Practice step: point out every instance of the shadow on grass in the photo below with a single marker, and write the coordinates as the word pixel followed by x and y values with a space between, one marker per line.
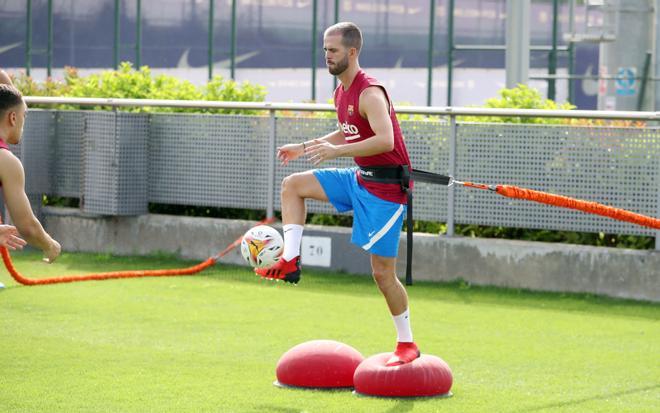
pixel 356 285
pixel 279 409
pixel 458 292
pixel 402 406
pixel 81 263
pixel 571 403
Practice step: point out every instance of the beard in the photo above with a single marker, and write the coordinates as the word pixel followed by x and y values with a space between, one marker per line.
pixel 339 67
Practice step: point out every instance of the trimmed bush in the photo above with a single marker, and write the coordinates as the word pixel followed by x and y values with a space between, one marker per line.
pixel 129 83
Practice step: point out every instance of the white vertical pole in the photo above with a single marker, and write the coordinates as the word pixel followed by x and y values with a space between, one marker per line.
pixel 657 54
pixel 452 172
pixel 517 42
pixel 272 146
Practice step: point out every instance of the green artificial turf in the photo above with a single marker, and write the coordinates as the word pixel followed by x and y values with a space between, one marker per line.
pixel 211 342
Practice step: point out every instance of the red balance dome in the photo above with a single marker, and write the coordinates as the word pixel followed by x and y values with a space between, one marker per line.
pixel 426 376
pixel 318 364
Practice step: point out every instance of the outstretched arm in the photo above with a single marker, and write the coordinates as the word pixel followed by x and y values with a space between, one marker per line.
pixel 294 151
pixel 18 205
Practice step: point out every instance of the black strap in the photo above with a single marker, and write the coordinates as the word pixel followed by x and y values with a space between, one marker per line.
pixel 383 174
pixel 405 185
pixel 430 177
pixel 401 174
pixel 394 175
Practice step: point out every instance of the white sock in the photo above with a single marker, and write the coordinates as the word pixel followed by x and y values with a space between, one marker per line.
pixel 402 323
pixel 292 240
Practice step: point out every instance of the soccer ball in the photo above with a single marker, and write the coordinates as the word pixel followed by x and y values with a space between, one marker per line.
pixel 262 246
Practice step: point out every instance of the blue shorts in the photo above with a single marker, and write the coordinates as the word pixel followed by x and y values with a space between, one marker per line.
pixel 376 222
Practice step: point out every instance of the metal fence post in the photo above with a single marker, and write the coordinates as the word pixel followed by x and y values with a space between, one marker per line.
pixel 210 40
pixel 232 48
pixel 49 49
pixel 571 52
pixel 115 51
pixel 272 146
pixel 645 78
pixel 657 209
pixel 452 170
pixel 450 50
pixel 552 58
pixel 28 38
pixel 336 20
pixel 314 48
pixel 429 82
pixel 138 34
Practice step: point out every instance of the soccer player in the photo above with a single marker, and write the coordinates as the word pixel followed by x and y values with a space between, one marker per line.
pixel 369 133
pixel 13 111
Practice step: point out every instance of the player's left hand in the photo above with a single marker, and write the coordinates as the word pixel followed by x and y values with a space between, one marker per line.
pixel 10 238
pixel 321 151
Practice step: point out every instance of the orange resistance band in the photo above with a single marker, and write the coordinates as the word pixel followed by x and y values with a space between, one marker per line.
pixel 119 274
pixel 584 206
pixel 566 202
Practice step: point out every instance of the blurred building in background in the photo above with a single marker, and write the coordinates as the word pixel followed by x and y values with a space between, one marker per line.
pixel 409 44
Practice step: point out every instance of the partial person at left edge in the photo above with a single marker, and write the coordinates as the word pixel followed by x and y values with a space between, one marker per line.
pixel 13 112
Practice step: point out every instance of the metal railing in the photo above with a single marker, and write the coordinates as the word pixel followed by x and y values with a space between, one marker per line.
pixel 451 114
pixel 316 107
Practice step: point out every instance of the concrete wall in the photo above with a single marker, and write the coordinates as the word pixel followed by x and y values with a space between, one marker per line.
pixel 516 264
pixel 538 266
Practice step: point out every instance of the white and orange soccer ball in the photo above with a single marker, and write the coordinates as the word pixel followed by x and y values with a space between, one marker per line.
pixel 262 246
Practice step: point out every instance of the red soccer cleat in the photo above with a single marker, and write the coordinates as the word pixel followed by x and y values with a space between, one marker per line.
pixel 404 353
pixel 288 271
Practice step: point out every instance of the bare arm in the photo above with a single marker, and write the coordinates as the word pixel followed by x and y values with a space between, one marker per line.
pixel 375 108
pixel 294 151
pixel 4 78
pixel 18 205
pixel 336 138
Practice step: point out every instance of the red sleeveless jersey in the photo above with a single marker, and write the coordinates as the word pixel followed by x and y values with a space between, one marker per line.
pixel 356 128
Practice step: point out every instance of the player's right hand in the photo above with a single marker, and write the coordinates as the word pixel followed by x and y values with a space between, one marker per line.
pixel 290 152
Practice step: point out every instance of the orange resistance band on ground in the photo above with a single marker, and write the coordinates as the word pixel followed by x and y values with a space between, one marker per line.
pixel 566 202
pixel 119 274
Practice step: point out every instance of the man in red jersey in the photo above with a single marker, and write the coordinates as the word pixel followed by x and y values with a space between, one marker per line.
pixel 369 133
pixel 8 233
pixel 13 112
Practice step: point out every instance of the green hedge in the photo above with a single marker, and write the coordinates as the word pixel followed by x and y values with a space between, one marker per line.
pixel 129 83
pixel 521 97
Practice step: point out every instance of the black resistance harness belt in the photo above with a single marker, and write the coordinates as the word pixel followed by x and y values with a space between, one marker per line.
pixel 402 175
